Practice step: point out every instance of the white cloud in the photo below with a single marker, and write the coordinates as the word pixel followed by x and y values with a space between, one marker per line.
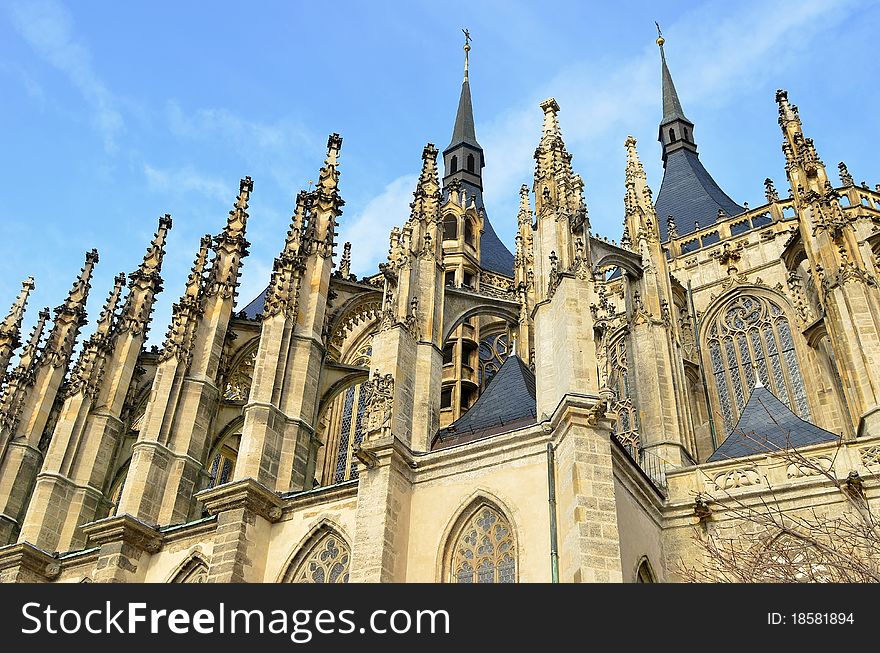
pixel 185 180
pixel 49 30
pixel 368 230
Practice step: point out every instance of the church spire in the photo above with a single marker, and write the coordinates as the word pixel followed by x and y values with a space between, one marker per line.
pixel 688 193
pixel 463 157
pixel 10 328
pixel 676 131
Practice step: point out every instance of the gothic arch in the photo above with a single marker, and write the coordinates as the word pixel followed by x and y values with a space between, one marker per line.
pixel 238 377
pixel 467 511
pixel 644 572
pixel 194 569
pixel 616 260
pixel 489 307
pixel 746 326
pixel 356 317
pixel 317 537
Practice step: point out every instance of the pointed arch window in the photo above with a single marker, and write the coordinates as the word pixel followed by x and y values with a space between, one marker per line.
pixel 469 232
pixel 194 571
pixel 483 549
pixel 344 422
pixel 240 378
pixel 453 165
pixel 671 134
pixel 644 573
pixel 627 426
pixel 327 560
pixel 470 162
pixel 751 330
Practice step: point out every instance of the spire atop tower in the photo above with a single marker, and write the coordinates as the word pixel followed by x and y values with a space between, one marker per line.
pixel 463 132
pixel 688 190
pixel 671 104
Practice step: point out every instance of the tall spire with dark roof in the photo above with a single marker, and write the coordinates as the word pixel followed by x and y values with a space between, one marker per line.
pixel 463 161
pixel 688 193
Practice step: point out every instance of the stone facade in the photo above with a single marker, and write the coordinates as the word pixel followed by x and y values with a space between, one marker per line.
pixel 298 439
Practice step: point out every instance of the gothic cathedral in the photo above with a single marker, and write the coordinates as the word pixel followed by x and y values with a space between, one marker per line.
pixel 580 409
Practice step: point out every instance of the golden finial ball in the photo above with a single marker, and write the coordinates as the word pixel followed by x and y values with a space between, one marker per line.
pixel 660 41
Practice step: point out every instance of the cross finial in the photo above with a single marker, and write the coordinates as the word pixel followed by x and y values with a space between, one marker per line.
pixel 467 48
pixel 660 39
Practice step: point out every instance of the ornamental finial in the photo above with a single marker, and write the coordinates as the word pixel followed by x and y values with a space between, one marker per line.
pixel 467 48
pixel 660 39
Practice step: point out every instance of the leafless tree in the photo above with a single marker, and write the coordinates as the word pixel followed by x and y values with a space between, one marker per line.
pixel 764 542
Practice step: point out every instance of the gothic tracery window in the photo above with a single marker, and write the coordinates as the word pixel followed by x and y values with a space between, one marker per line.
pixel 239 379
pixel 494 351
pixel 484 549
pixel 327 561
pixel 753 330
pixel 345 423
pixel 627 427
pixel 195 571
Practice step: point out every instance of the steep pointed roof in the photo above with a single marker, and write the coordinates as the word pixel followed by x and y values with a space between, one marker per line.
pixel 463 131
pixel 671 104
pixel 507 403
pixel 688 192
pixel 766 424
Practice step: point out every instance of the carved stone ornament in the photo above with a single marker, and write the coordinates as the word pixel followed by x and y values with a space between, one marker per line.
pixel 379 405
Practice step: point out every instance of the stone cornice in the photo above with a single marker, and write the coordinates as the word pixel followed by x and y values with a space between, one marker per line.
pixel 26 556
pixel 125 529
pixel 246 493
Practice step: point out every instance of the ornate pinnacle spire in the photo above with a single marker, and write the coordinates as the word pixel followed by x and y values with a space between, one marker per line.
pixel 89 366
pixel 230 246
pixel 178 339
pixel 426 197
pixel 23 375
pixel 194 281
pixel 551 123
pixel 328 178
pixel 29 353
pixel 11 326
pixel 70 317
pixel 105 320
pixel 525 209
pixel 787 112
pixel 634 166
pixel 145 283
pixel 345 263
pixel 845 178
pixel 770 191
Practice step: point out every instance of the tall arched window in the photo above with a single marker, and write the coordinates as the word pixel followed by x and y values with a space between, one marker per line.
pixel 450 227
pixel 469 232
pixel 325 560
pixel 747 330
pixel 627 426
pixel 350 425
pixel 671 134
pixel 470 162
pixel 644 573
pixel 484 550
pixel 453 165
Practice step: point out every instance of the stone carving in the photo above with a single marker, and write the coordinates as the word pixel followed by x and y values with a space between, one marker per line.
pixel 378 405
pixel 813 466
pixel 737 477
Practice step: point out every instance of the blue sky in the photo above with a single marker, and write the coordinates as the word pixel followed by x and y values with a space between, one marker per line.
pixel 116 113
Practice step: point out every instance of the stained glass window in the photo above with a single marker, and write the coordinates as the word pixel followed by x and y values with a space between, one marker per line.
pixel 327 561
pixel 627 427
pixel 753 330
pixel 222 466
pixel 347 423
pixel 484 551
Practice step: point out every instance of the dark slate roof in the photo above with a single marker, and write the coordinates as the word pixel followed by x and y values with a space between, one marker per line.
pixel 494 255
pixel 256 305
pixel 690 195
pixel 766 424
pixel 463 131
pixel 508 402
pixel 671 105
